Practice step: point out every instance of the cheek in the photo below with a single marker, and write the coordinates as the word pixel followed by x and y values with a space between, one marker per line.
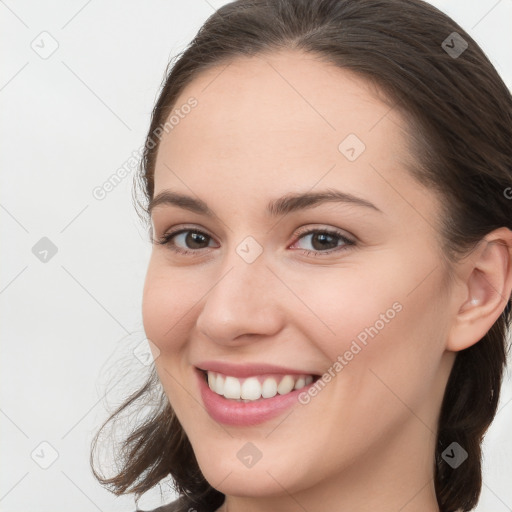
pixel 336 307
pixel 384 318
pixel 167 299
pixel 397 368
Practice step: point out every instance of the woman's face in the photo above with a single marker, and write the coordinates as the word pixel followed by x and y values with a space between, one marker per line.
pixel 351 286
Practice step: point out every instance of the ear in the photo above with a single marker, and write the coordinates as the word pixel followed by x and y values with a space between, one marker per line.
pixel 486 280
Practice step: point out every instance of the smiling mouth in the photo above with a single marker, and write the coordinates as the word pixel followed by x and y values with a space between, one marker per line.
pixel 257 387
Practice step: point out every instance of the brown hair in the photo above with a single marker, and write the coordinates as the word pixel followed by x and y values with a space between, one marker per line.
pixel 463 113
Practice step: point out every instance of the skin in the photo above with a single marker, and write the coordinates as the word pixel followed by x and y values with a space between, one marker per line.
pixel 265 127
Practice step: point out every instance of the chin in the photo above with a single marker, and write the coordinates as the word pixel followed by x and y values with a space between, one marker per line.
pixel 225 470
pixel 231 479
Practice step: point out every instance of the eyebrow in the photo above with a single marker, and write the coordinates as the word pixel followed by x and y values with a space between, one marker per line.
pixel 275 208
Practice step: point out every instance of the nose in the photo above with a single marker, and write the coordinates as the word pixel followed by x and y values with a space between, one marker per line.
pixel 242 305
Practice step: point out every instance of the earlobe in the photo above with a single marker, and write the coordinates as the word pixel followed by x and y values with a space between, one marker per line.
pixel 487 289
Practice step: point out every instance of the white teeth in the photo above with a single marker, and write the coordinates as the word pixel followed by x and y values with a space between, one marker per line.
pixel 219 384
pixel 232 388
pixel 211 380
pixel 250 389
pixel 269 388
pixel 301 382
pixel 286 385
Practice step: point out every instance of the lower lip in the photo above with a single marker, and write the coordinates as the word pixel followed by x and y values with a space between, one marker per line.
pixel 243 414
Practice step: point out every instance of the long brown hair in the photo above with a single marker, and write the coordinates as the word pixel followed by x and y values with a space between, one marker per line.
pixel 460 113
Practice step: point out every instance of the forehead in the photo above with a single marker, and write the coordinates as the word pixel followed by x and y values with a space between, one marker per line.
pixel 280 123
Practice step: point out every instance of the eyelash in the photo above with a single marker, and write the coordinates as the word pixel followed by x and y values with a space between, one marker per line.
pixel 167 237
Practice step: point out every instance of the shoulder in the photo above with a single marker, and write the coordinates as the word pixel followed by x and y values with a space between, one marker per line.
pixel 184 504
pixel 176 506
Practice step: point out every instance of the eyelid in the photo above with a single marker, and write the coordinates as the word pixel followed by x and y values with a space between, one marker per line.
pixel 186 227
pixel 311 228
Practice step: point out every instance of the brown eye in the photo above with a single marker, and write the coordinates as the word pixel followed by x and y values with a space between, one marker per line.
pixel 324 241
pixel 186 241
pixel 194 239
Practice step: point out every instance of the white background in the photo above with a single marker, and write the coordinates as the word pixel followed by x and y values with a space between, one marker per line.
pixel 69 122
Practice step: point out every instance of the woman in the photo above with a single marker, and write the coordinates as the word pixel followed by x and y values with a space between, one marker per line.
pixel 327 187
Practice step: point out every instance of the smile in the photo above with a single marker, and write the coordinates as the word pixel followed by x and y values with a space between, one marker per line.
pixel 256 387
pixel 251 399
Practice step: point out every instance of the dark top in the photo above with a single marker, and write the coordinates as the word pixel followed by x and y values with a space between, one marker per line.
pixel 175 506
pixel 179 505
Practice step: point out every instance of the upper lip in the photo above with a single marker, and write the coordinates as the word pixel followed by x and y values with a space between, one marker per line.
pixel 248 370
